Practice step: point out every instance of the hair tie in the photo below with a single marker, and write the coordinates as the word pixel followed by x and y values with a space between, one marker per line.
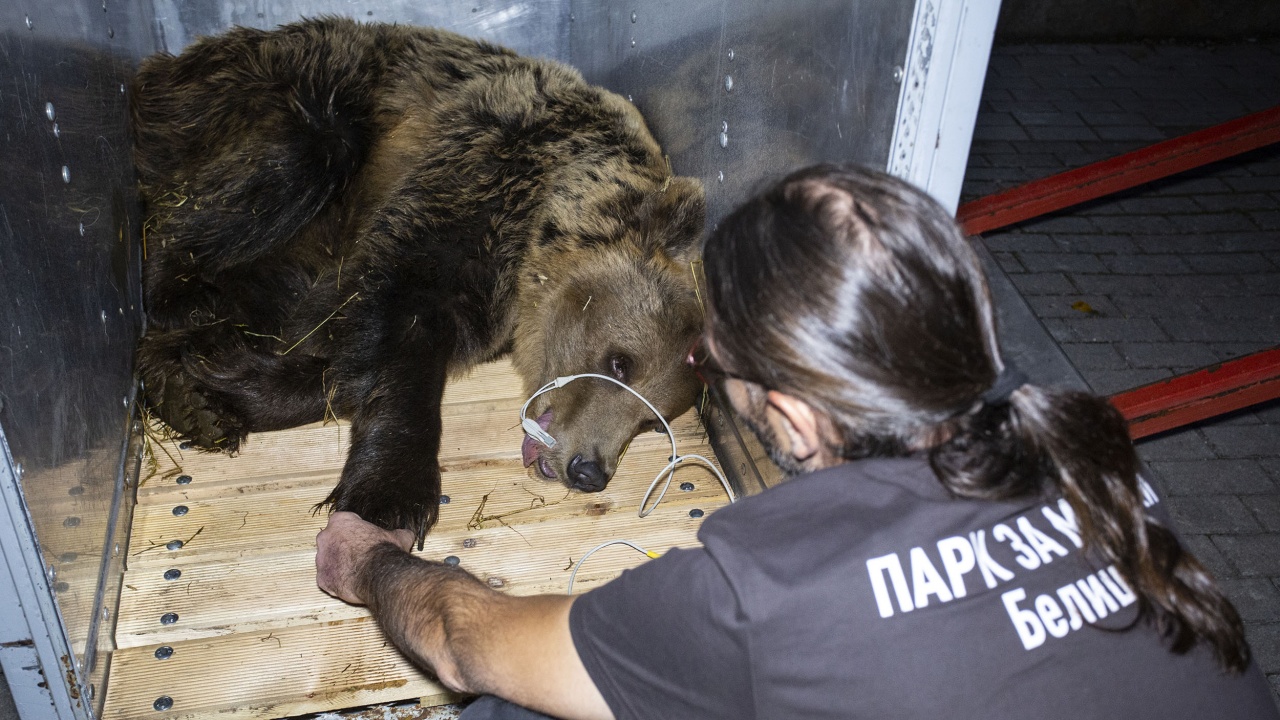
pixel 1009 379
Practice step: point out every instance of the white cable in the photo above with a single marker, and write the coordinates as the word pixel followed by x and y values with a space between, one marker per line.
pixel 532 428
pixel 670 470
pixel 601 546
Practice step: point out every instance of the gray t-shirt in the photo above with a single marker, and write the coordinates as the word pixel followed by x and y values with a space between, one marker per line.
pixel 865 590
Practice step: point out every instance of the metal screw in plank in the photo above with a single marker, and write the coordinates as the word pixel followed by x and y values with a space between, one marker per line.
pixel 164 652
pixel 184 479
pixel 181 510
pixel 162 703
pixel 696 513
pixel 169 618
pixel 173 545
pixel 452 560
pixel 686 486
pixel 172 574
pixel 444 499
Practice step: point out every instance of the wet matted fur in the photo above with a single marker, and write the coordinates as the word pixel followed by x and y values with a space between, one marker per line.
pixel 340 215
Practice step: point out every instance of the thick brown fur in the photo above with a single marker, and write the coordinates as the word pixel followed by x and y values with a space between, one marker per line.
pixel 341 215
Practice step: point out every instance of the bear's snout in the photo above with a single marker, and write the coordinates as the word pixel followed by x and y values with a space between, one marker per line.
pixel 586 475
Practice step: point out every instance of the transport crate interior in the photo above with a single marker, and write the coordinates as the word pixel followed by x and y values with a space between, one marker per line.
pixel 154 581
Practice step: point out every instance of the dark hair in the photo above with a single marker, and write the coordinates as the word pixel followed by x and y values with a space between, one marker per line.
pixel 859 294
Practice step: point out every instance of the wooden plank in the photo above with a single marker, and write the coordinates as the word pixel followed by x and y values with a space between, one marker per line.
pixel 267 674
pixel 1106 177
pixel 255 638
pixel 1201 394
pixel 224 592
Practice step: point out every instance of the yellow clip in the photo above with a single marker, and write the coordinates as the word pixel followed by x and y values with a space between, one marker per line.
pixel 653 554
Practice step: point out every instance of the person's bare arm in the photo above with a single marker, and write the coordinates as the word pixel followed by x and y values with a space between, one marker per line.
pixel 476 640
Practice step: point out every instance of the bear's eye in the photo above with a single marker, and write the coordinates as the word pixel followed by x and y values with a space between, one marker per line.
pixel 620 367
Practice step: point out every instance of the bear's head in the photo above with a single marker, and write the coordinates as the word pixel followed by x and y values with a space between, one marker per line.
pixel 610 288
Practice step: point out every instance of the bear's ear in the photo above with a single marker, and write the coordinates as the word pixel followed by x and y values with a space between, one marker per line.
pixel 682 214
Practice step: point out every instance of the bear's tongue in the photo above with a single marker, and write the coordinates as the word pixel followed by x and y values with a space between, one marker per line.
pixel 529 448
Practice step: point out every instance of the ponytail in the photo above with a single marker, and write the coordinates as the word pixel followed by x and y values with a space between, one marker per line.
pixel 1081 442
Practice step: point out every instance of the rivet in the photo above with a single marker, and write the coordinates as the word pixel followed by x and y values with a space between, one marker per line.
pixel 444 499
pixel 172 574
pixel 633 42
pixel 106 613
pixel 52 572
pixel 91 691
pixel 452 560
pixel 730 53
pixel 57 131
pixel 164 652
pixel 724 126
pixel 29 27
pixel 173 545
pixel 121 88
pixel 111 32
pixel 168 618
pixel 77 490
pixel 469 543
pixel 181 510
pixel 633 16
pixel 724 139
pixel 897 73
pixel 48 110
pixel 17 470
pixel 81 229
pixel 695 513
pixel 115 551
pixel 103 314
pixel 629 99
pixel 728 83
pixel 124 401
pixel 66 174
pixel 71 522
pixel 184 480
pixel 495 582
pixel 572 17
pixel 164 702
pixel 686 486
pixel 186 445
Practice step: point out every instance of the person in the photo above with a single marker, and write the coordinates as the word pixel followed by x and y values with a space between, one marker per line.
pixel 952 542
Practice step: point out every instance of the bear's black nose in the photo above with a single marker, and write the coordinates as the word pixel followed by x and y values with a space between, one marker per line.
pixel 586 475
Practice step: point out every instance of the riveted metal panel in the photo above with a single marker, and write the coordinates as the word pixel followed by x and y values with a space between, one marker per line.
pixel 742 90
pixel 532 27
pixel 69 318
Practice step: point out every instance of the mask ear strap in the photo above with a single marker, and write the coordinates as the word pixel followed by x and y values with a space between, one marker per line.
pixel 531 426
pixel 536 432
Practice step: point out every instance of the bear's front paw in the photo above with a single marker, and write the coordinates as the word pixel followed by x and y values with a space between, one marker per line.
pixel 410 502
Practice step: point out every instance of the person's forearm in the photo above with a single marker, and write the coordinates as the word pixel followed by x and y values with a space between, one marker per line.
pixel 432 612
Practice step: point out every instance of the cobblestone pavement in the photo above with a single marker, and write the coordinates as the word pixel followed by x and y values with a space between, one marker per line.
pixel 1173 276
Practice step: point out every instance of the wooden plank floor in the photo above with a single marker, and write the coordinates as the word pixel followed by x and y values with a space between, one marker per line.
pixel 255 638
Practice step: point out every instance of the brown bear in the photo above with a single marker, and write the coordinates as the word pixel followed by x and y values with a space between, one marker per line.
pixel 341 215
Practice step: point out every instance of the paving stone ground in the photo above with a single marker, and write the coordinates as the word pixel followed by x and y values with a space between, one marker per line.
pixel 1161 279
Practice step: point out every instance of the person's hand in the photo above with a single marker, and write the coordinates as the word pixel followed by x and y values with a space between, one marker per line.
pixel 342 549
